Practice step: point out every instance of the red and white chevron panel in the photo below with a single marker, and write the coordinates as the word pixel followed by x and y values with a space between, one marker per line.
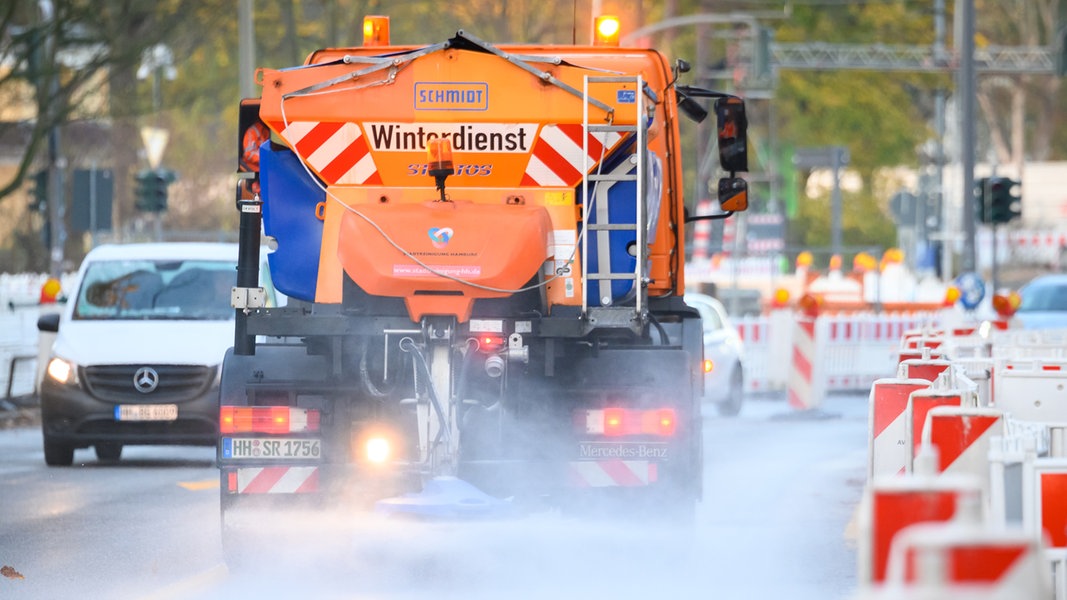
pixel 337 152
pixel 967 560
pixel 612 473
pixel 889 454
pixel 277 480
pixel 962 436
pixel 927 369
pixel 920 403
pixel 556 160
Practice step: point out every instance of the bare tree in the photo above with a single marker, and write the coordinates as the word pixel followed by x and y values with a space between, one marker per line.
pixel 1005 100
pixel 64 50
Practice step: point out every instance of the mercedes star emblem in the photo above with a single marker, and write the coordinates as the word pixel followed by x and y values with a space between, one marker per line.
pixel 145 380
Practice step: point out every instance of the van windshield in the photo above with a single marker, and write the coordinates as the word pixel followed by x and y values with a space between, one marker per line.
pixel 157 289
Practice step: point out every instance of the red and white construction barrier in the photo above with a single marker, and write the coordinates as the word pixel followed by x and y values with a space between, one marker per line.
pixel 856 347
pixel 920 403
pixel 851 351
pixel 759 347
pixel 1002 447
pixel 806 384
pixel 888 417
pixel 896 502
pixel 1045 503
pixel 962 558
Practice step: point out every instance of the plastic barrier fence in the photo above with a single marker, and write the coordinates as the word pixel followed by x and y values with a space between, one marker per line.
pixel 996 418
pixel 20 295
pixel 850 351
pixel 18 349
pixel 1032 390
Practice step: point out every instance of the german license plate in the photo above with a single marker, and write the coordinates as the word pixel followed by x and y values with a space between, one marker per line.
pixel 270 448
pixel 146 412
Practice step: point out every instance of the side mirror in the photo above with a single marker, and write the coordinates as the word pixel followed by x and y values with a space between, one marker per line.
pixel 691 108
pixel 48 323
pixel 733 134
pixel 733 194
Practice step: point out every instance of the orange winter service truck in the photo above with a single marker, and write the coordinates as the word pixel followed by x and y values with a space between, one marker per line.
pixel 482 248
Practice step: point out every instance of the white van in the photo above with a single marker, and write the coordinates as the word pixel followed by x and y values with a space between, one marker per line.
pixel 138 348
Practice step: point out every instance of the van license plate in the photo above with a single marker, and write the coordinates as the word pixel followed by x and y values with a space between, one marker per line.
pixel 146 412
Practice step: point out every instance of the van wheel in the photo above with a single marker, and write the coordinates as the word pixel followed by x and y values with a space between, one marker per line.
pixel 108 451
pixel 732 405
pixel 58 455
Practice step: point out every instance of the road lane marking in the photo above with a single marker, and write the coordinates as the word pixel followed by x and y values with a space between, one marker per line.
pixel 192 586
pixel 196 486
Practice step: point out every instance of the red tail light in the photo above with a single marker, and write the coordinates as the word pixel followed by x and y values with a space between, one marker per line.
pixel 267 419
pixel 615 422
pixel 664 422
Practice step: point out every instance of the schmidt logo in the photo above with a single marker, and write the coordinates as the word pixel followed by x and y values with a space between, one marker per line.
pixel 439 236
pixel 452 95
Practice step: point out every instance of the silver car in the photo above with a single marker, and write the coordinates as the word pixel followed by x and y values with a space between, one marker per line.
pixel 724 383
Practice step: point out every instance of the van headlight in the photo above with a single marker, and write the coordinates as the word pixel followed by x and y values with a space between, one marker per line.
pixel 62 371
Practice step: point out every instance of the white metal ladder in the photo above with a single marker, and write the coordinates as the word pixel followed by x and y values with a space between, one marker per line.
pixel 601 272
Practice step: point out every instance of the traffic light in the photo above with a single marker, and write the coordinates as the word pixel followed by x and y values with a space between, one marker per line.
pixel 144 190
pixel 40 204
pixel 151 189
pixel 1004 204
pixel 981 200
pixel 40 192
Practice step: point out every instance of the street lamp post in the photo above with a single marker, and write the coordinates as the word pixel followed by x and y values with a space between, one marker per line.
pixel 56 163
pixel 157 63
